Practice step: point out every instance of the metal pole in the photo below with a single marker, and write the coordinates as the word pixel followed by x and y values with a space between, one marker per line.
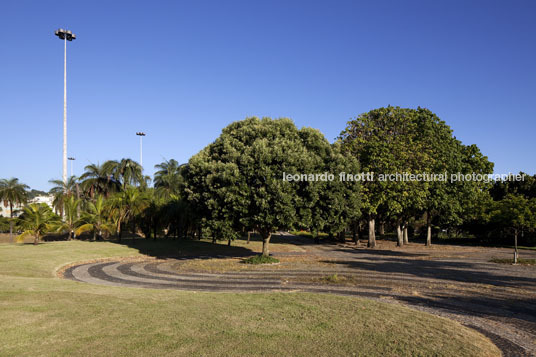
pixel 65 111
pixel 141 152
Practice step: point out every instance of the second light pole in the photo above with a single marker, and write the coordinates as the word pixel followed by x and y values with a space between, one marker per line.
pixel 141 135
pixel 71 159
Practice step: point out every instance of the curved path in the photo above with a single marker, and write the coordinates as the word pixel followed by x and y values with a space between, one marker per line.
pixel 497 300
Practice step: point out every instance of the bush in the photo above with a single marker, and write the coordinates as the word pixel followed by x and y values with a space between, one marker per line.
pixel 260 259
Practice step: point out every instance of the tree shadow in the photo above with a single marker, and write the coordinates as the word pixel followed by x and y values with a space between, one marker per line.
pixel 443 270
pixel 513 308
pixel 184 248
pixel 381 252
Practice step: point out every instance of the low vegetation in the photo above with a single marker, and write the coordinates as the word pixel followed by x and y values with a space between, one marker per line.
pixel 261 259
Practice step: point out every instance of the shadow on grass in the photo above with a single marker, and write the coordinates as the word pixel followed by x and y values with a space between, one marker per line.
pixel 182 248
pixel 444 270
pixel 520 311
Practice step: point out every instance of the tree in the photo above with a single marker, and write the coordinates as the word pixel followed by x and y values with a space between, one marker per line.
pixel 394 140
pixel 35 220
pixel 329 206
pixel 384 142
pixel 98 180
pixel 237 181
pixel 515 212
pixel 126 171
pixel 70 218
pixel 12 192
pixel 168 178
pixel 95 219
pixel 62 191
pixel 125 205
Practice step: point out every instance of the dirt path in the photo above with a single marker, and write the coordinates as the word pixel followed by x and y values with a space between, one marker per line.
pixel 456 282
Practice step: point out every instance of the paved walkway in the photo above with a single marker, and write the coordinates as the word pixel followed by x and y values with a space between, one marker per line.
pixel 456 282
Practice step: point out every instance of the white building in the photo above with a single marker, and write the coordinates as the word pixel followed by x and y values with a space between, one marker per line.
pixel 17 209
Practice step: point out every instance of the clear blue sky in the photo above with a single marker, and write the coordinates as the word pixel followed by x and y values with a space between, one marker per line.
pixel 183 70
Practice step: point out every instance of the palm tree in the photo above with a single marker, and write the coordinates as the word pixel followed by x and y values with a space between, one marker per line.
pixel 96 219
pixel 62 191
pixel 127 171
pixel 126 204
pixel 70 221
pixel 36 219
pixel 167 178
pixel 98 180
pixel 12 192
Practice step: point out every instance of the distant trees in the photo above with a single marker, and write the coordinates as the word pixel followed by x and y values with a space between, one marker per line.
pixel 516 213
pixel 12 192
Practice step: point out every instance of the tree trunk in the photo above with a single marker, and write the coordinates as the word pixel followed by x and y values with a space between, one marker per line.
pixel 199 232
pixel 406 238
pixel 355 233
pixel 371 234
pixel 249 236
pixel 119 232
pixel 316 239
pixel 11 223
pixel 70 234
pixel 229 242
pixel 399 236
pixel 428 229
pixel 381 229
pixel 342 237
pixel 515 246
pixel 265 243
pixel 36 239
pixel 11 239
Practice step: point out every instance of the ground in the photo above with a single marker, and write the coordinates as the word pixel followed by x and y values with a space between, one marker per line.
pixel 113 316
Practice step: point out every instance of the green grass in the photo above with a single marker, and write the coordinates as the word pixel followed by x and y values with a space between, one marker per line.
pixel 520 261
pixel 42 315
pixel 260 259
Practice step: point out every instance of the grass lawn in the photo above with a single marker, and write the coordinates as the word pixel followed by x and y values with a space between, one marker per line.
pixel 41 314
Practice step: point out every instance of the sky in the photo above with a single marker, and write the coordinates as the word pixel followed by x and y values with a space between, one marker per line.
pixel 181 71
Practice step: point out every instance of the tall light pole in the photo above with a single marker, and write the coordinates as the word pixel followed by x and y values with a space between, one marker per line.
pixel 71 159
pixel 141 135
pixel 65 35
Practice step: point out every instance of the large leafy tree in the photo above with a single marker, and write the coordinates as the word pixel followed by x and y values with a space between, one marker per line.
pixel 414 141
pixel 13 192
pixel 383 140
pixel 36 219
pixel 237 181
pixel 329 206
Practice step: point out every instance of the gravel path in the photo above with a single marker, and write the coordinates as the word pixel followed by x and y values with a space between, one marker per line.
pixel 455 282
